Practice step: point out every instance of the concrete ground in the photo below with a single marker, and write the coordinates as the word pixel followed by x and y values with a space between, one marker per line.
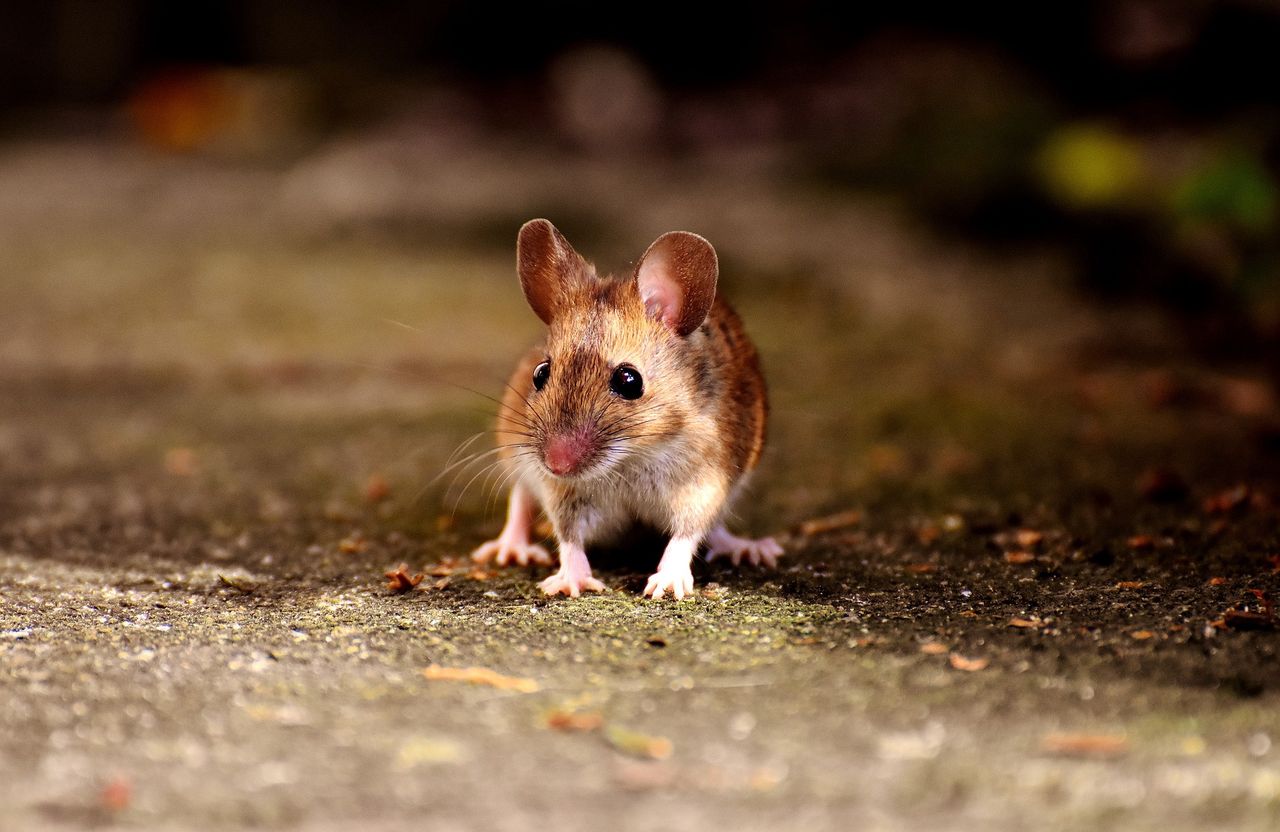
pixel 1031 543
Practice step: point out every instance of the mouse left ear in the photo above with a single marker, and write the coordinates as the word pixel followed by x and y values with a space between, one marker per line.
pixel 677 280
pixel 546 264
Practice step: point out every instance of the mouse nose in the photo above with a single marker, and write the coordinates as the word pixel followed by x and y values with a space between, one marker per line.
pixel 566 452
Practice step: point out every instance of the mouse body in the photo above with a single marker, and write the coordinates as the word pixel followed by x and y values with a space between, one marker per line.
pixel 645 403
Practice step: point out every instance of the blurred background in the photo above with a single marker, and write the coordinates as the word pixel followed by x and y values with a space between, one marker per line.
pixel 1138 139
pixel 1078 194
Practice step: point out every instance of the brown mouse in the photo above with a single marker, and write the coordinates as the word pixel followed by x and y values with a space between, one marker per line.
pixel 646 403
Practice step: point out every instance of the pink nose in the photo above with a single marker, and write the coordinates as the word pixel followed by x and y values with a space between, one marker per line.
pixel 566 452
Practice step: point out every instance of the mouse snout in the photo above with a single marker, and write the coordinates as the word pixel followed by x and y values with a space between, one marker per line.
pixel 565 453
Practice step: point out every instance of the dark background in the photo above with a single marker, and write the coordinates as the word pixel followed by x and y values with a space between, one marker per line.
pixel 983 120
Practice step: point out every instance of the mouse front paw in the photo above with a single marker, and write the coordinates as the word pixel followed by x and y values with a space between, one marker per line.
pixel 504 551
pixel 679 581
pixel 721 543
pixel 570 583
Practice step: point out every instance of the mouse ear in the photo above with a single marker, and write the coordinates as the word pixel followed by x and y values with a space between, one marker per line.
pixel 677 280
pixel 545 262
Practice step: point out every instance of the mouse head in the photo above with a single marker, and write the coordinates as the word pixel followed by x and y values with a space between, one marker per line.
pixel 619 376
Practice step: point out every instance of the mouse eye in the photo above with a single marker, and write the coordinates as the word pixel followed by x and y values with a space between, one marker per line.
pixel 626 382
pixel 541 373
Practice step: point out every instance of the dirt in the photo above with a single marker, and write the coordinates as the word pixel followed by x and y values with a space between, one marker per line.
pixel 222 418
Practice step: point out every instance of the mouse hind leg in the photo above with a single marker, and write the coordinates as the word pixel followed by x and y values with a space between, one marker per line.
pixel 723 543
pixel 514 544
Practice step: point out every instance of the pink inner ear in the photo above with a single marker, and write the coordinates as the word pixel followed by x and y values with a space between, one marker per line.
pixel 660 292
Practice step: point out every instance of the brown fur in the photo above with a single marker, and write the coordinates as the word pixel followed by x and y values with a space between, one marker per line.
pixel 715 370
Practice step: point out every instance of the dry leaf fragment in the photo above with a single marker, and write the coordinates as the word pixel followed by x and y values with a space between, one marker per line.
pixel 1086 745
pixel 1028 538
pixel 637 744
pixel 959 662
pixel 1244 620
pixel 479 574
pixel 480 676
pixel 1142 635
pixel 376 489
pixel 1019 558
pixel 921 568
pixel 1130 584
pixel 1226 502
pixel 239 584
pixel 822 525
pixel 1026 623
pixel 399 580
pixel 574 721
pixel 352 545
pixel 934 648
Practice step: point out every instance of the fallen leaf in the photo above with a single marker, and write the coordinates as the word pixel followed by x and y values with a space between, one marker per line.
pixel 399 580
pixel 822 525
pixel 1234 619
pixel 376 489
pixel 574 720
pixel 1028 538
pixel 934 648
pixel 352 545
pixel 441 583
pixel 637 744
pixel 1019 558
pixel 479 574
pixel 921 568
pixel 970 665
pixel 1142 635
pixel 1086 745
pixel 480 676
pixel 116 795
pixel 1130 584
pixel 239 584
pixel 1027 623
pixel 1226 502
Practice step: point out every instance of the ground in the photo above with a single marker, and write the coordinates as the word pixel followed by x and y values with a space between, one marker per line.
pixel 1030 541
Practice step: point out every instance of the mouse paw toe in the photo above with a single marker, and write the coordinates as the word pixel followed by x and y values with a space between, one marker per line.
pixel 764 551
pixel 679 582
pixel 571 584
pixel 505 552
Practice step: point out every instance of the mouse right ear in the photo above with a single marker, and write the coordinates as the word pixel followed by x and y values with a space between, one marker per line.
pixel 545 262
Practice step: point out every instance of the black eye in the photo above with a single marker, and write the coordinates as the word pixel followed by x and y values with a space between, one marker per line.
pixel 626 382
pixel 541 373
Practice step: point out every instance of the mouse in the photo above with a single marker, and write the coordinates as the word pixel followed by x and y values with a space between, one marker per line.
pixel 645 403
